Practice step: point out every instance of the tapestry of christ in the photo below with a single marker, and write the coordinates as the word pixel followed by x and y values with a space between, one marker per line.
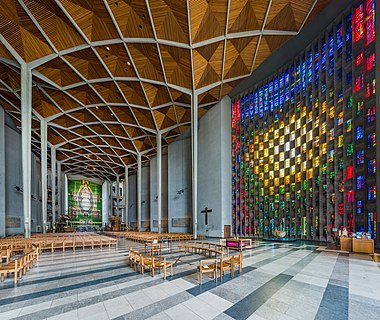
pixel 85 203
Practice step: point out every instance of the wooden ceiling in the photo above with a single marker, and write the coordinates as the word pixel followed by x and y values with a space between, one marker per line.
pixel 109 74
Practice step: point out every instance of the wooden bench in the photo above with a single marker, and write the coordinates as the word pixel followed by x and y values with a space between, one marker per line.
pixel 19 266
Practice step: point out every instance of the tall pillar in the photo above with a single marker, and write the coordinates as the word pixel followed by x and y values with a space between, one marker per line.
pixel 194 161
pixel 159 181
pixel 26 138
pixel 377 21
pixel 65 194
pixel 110 211
pixel 117 195
pixel 44 173
pixel 126 197
pixel 59 187
pixel 2 173
pixel 53 183
pixel 139 192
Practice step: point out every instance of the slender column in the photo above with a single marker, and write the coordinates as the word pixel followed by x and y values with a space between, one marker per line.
pixel 139 192
pixel 117 194
pixel 26 137
pixel 44 173
pixel 159 181
pixel 53 184
pixel 126 196
pixel 194 162
pixel 110 212
pixel 59 187
pixel 65 194
pixel 2 173
pixel 377 4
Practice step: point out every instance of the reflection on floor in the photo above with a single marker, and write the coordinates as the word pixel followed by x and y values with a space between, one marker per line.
pixel 279 281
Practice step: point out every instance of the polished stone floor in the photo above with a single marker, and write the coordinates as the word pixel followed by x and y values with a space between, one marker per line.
pixel 279 281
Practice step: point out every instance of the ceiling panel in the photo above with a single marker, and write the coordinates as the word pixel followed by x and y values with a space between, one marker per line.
pixel 117 72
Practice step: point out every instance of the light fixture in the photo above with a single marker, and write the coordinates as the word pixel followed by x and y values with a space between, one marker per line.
pixel 128 63
pixel 108 48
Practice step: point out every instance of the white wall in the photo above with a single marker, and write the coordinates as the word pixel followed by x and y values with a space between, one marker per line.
pixel 132 200
pixel 164 194
pixel 145 198
pixel 13 177
pixel 179 178
pixel 214 176
pixel 214 169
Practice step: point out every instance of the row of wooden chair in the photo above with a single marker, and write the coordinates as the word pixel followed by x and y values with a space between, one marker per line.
pixel 140 262
pixel 58 242
pixel 150 236
pixel 212 249
pixel 20 265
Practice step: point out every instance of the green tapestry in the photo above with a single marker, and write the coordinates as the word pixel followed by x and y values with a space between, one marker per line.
pixel 85 203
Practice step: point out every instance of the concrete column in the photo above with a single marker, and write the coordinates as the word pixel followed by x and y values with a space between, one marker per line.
pixel 111 202
pixel 117 195
pixel 53 184
pixel 377 4
pixel 26 137
pixel 139 192
pixel 194 161
pixel 159 181
pixel 2 172
pixel 44 173
pixel 65 194
pixel 59 187
pixel 126 196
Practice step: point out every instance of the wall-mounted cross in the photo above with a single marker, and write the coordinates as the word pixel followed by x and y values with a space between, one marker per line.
pixel 206 211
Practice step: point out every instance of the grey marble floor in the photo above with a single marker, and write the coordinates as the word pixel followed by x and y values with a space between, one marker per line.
pixel 279 281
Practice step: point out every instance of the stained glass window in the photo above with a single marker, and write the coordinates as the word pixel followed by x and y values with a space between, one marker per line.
pixel 370 21
pixel 360 182
pixel 371 166
pixel 359 157
pixel 359 133
pixel 372 193
pixel 349 172
pixel 371 140
pixel 358 23
pixel 371 114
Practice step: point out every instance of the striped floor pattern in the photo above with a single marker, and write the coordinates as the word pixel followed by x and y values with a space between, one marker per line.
pixel 279 281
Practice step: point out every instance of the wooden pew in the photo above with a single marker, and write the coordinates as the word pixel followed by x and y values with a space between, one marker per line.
pixel 15 267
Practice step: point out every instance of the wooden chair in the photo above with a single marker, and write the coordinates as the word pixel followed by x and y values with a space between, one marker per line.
pixel 161 263
pixel 137 261
pixel 134 257
pixel 236 262
pixel 224 265
pixel 5 254
pixel 207 266
pixel 147 262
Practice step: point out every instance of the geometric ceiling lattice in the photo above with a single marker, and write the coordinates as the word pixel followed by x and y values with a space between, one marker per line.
pixel 108 75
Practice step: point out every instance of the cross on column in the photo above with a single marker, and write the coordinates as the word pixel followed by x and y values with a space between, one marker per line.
pixel 206 211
